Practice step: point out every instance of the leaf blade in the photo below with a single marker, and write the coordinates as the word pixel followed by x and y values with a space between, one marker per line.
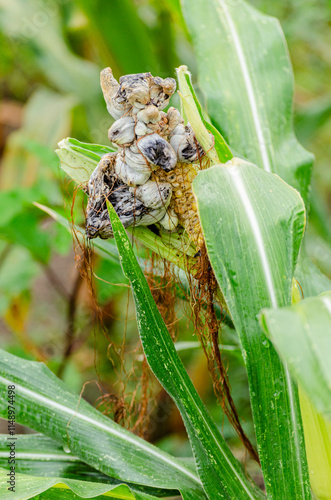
pixel 215 147
pixel 306 349
pixel 207 443
pixel 246 75
pixel 45 404
pixel 37 455
pixel 30 486
pixel 244 216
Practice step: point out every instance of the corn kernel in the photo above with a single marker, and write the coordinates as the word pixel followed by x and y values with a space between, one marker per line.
pixel 183 201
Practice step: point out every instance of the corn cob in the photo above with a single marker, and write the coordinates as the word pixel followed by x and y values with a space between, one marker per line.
pixel 182 202
pixel 155 165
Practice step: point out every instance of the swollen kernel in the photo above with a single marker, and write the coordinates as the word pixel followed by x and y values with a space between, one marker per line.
pixel 181 210
pixel 186 186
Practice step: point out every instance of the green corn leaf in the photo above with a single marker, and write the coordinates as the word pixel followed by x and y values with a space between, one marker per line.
pixel 93 151
pixel 66 494
pixel 79 159
pixel 310 278
pixel 27 487
pixel 317 430
pixel 38 455
pixel 246 75
pixel 253 223
pixel 221 474
pixel 215 147
pixel 45 404
pixel 79 169
pixel 49 488
pixel 166 251
pixel 301 335
pixel 307 350
pixel 188 345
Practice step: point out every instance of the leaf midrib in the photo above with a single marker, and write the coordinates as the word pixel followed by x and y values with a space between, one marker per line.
pixel 155 313
pixel 248 83
pixel 75 414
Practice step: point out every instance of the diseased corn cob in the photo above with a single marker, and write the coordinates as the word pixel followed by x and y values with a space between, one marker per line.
pixel 149 179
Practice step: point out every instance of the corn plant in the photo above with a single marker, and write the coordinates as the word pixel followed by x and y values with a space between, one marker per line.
pixel 249 198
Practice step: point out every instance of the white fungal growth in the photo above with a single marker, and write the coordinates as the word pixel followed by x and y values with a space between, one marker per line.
pixel 150 114
pixel 122 131
pixel 174 120
pixel 110 88
pixel 170 220
pixel 133 157
pixel 150 142
pixel 140 129
pixel 131 176
pixel 154 194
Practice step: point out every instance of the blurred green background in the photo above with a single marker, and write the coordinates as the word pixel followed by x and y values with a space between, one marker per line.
pixel 51 55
